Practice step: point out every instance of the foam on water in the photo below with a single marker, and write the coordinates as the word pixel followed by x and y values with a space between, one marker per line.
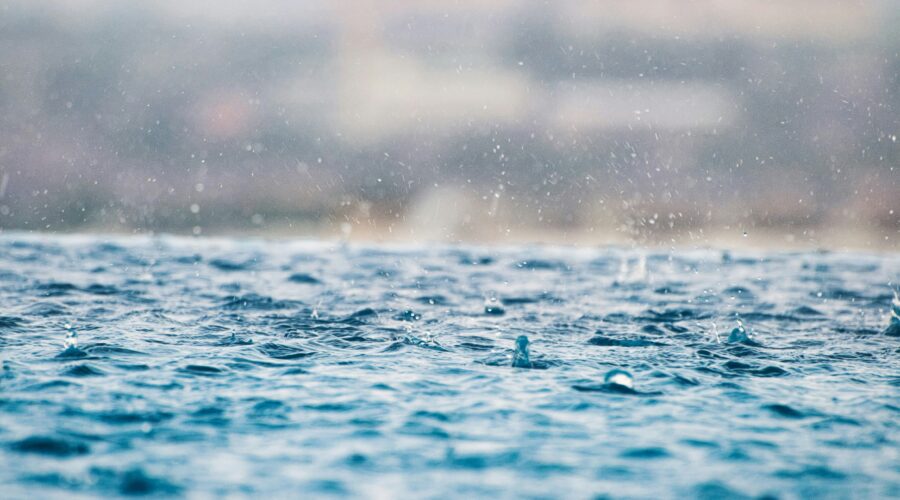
pixel 212 367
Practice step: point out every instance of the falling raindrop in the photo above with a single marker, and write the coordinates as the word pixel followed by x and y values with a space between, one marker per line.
pixel 493 306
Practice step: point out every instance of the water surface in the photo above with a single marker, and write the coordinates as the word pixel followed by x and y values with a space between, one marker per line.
pixel 192 367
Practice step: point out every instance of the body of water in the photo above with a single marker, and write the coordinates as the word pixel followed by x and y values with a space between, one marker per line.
pixel 201 367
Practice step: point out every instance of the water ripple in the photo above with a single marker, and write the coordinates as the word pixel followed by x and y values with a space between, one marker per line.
pixel 205 368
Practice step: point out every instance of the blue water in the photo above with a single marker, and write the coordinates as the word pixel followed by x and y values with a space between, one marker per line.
pixel 198 368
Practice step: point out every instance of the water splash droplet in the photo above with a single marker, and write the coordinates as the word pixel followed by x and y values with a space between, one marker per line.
pixel 521 358
pixel 893 329
pixel 895 308
pixel 633 274
pixel 492 305
pixel 739 334
pixel 71 341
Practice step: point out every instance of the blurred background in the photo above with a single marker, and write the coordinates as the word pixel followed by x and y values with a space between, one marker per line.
pixel 666 122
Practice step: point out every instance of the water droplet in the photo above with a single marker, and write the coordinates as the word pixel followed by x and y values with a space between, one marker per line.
pixel 71 341
pixel 493 306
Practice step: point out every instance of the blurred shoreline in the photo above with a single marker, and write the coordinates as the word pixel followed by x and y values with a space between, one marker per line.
pixel 844 239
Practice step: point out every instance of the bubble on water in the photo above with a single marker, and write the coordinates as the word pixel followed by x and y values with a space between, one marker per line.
pixel 521 358
pixel 619 377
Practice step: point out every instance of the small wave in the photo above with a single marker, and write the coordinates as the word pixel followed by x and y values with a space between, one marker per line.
pixel 42 309
pixel 740 368
pixel 413 341
pixel 607 388
pixel 303 279
pixel 361 316
pixel 104 349
pixel 541 265
pixel 234 340
pixel 133 417
pixel 232 265
pixel 72 352
pixel 651 453
pixel 253 301
pixel 469 260
pixel 812 472
pixel 672 315
pixel 132 482
pixel 10 322
pixel 477 344
pixel 281 351
pixel 808 311
pixel 84 370
pixel 604 341
pixel 55 289
pixel 785 411
pixel 408 315
pixel 98 289
pixel 204 370
pixel 52 446
pixel 51 384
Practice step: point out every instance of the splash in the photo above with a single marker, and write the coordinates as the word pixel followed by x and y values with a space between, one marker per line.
pixel 521 358
pixel 71 341
pixel 70 344
pixel 740 334
pixel 893 329
pixel 629 275
pixel 230 358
